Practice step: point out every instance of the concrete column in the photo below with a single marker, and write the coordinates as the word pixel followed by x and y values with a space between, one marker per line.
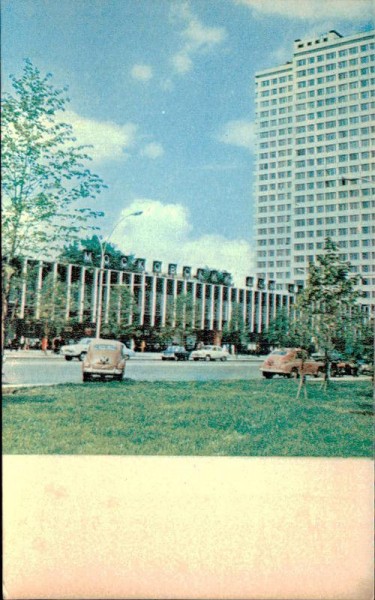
pixel 236 299
pixel 107 295
pixel 143 294
pixel 220 308
pixel 81 300
pixel 267 313
pixel 153 301
pixel 131 288
pixel 174 302
pixel 164 303
pixel 94 295
pixel 193 291
pixel 21 313
pixel 274 305
pixel 68 289
pixel 244 307
pixel 184 291
pixel 203 305
pixel 38 290
pixel 211 313
pixel 119 304
pixel 54 281
pixel 229 305
pixel 258 313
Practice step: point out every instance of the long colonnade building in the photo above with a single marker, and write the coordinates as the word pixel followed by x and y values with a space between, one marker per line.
pixel 153 295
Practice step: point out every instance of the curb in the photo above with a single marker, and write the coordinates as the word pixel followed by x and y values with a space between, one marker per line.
pixel 153 357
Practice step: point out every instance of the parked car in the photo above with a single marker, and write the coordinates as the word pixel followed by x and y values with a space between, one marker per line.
pixel 79 349
pixel 76 350
pixel 339 365
pixel 210 353
pixel 104 359
pixel 365 367
pixel 175 353
pixel 287 363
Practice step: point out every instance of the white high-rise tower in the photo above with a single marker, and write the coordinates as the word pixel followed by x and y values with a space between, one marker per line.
pixel 315 158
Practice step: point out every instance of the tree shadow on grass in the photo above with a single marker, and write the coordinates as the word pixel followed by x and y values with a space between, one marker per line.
pixel 19 399
pixel 366 409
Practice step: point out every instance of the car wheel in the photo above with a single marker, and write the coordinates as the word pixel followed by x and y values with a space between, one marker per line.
pixel 223 358
pixel 319 373
pixel 267 375
pixel 81 357
pixel 86 377
pixel 207 358
pixel 195 359
pixel 68 357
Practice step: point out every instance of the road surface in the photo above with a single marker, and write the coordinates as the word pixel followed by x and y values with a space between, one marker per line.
pixel 57 370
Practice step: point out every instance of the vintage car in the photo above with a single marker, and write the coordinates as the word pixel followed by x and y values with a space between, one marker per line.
pixel 76 350
pixel 365 367
pixel 79 349
pixel 339 365
pixel 287 363
pixel 175 353
pixel 104 359
pixel 210 353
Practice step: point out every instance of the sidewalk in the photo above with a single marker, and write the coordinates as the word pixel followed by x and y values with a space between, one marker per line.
pixel 38 354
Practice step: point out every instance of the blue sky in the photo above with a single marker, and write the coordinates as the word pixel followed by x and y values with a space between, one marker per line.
pixel 164 91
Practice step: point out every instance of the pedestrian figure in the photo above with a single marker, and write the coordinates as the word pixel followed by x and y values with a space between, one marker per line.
pixel 56 345
pixel 15 343
pixel 44 344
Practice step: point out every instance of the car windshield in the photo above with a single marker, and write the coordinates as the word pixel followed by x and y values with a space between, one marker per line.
pixel 278 353
pixel 84 341
pixel 172 349
pixel 208 347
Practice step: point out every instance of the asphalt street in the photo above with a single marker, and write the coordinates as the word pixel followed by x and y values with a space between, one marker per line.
pixel 53 370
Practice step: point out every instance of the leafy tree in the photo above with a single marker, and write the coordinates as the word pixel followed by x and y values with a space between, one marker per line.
pixel 292 331
pixel 329 299
pixel 279 330
pixel 235 331
pixel 181 316
pixel 51 306
pixel 121 306
pixel 44 174
pixel 74 253
pixel 327 314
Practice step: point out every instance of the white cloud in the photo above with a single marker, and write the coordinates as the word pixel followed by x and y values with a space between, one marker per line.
pixel 153 150
pixel 109 140
pixel 141 72
pixel 196 38
pixel 312 9
pixel 238 133
pixel 198 35
pixel 164 233
pixel 182 62
pixel 167 84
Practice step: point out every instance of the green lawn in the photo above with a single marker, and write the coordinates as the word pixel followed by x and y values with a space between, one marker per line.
pixel 237 418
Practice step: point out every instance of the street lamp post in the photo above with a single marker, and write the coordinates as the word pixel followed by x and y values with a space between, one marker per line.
pixel 103 246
